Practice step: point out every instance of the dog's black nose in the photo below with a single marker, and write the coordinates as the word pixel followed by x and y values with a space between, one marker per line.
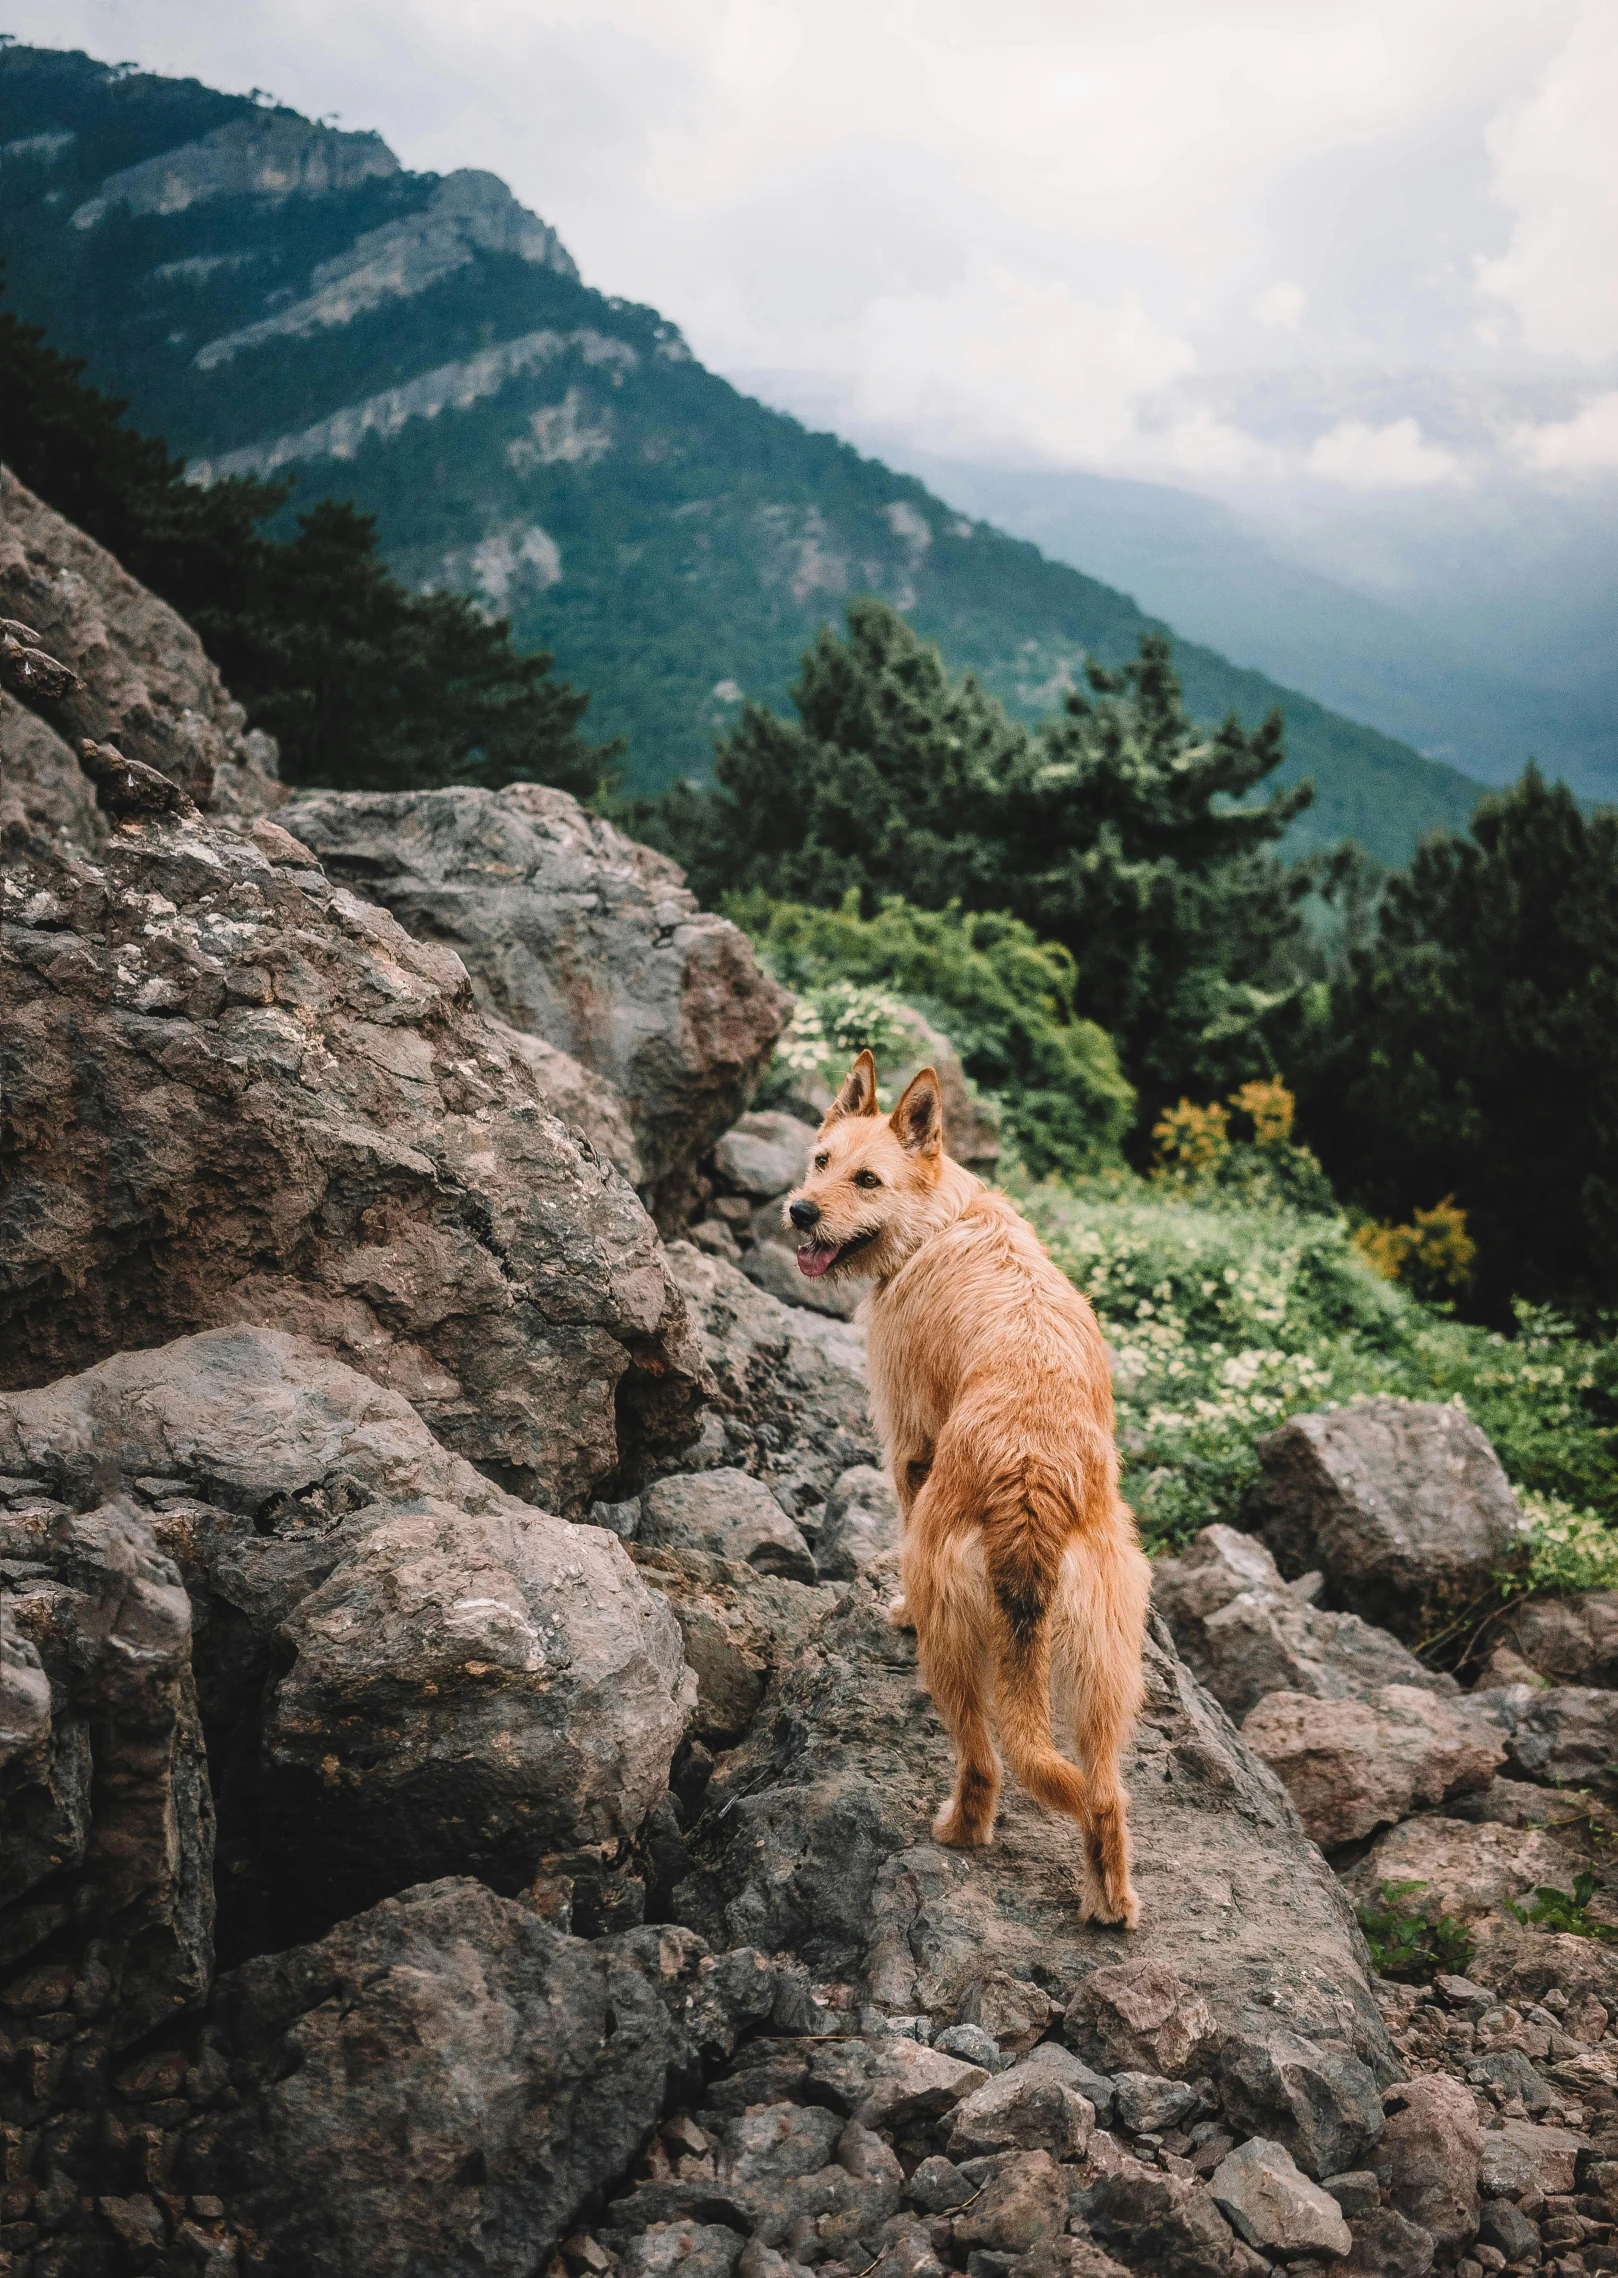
pixel 804 1215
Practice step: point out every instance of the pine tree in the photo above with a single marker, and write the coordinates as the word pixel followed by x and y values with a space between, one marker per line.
pixel 1473 1048
pixel 1113 831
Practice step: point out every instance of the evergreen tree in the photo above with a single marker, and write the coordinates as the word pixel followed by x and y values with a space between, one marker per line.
pixel 365 684
pixel 1472 1048
pixel 1113 831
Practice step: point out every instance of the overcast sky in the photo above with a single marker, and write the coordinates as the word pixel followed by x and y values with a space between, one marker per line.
pixel 1037 228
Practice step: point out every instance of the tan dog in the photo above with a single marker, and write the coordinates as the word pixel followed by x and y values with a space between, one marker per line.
pixel 992 1394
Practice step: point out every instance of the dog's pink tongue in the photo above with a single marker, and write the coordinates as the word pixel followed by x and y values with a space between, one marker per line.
pixel 815 1257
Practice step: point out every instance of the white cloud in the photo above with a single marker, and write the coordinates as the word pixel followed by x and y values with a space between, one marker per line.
pixel 1279 308
pixel 1010 228
pixel 1585 444
pixel 1396 456
pixel 1555 168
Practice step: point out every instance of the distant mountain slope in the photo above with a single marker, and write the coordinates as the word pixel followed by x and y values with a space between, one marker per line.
pixel 274 295
pixel 1216 577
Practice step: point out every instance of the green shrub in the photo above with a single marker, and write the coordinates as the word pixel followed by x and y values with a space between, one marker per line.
pixel 1003 998
pixel 1565 1911
pixel 1226 1318
pixel 1404 1944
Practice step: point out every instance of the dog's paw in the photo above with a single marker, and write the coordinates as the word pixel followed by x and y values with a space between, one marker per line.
pixel 952 1826
pixel 899 1615
pixel 1114 1909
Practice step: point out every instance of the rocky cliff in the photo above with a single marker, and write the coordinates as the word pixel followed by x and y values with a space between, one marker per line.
pixel 464 1808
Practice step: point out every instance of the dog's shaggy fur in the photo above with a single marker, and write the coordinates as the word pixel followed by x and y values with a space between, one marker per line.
pixel 1020 1567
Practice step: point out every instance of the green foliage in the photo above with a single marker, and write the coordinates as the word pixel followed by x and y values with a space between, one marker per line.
pixel 1004 999
pixel 1472 1049
pixel 1564 1549
pixel 1262 1166
pixel 1404 1944
pixel 1226 1318
pixel 1565 1911
pixel 366 685
pixel 1113 832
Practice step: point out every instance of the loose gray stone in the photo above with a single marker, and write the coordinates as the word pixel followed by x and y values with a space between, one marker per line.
pixel 1031 2107
pixel 1146 2103
pixel 973 2046
pixel 1259 2189
pixel 729 1514
pixel 763 1154
pixel 861 1524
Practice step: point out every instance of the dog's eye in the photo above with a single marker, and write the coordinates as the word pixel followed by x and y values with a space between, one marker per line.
pixel 866 1178
pixel 821 1161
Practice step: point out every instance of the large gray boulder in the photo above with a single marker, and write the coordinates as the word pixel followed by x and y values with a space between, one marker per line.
pixel 1557 1735
pixel 571 932
pixel 239 1093
pixel 143 682
pixel 1401 1504
pixel 1572 1639
pixel 1246 1632
pixel 477 1695
pixel 439 2083
pixel 402 1668
pixel 816 1840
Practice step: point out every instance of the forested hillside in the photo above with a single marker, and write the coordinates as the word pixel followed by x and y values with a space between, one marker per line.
pixel 276 297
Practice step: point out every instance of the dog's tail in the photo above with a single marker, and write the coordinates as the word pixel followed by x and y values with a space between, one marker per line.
pixel 1023 1542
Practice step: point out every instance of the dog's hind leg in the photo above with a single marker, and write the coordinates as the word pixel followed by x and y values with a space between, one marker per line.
pixel 1106 1685
pixel 944 1595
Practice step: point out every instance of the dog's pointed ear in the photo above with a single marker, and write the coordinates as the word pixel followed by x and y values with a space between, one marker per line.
pixel 918 1120
pixel 858 1095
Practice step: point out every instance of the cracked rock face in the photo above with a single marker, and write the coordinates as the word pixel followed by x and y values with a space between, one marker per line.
pixel 234 1092
pixel 145 681
pixel 1246 1633
pixel 402 1669
pixel 572 933
pixel 108 1817
pixel 521 2067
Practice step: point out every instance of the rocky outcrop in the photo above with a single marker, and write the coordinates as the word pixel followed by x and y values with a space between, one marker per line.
pixel 522 2067
pixel 1247 1633
pixel 234 1091
pixel 1401 1504
pixel 573 934
pixel 823 1850
pixel 108 1857
pixel 143 681
pixel 789 1403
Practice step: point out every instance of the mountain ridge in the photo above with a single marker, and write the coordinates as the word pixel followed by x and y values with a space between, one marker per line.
pixel 272 293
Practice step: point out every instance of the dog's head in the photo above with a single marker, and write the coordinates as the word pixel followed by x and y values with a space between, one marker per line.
pixel 864 1205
